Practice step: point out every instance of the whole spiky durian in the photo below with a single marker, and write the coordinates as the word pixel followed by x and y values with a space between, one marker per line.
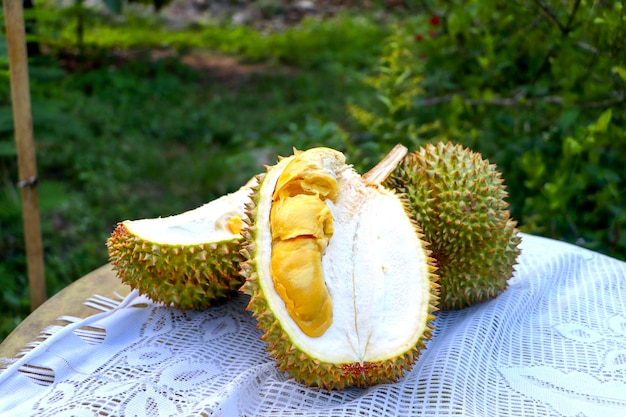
pixel 189 260
pixel 458 199
pixel 340 281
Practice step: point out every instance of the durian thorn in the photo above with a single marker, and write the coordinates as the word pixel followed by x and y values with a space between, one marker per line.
pixel 386 166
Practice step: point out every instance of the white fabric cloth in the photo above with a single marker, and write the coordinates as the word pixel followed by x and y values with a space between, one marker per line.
pixel 553 344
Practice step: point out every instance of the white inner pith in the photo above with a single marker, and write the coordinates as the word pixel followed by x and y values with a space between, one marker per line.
pixel 375 269
pixel 207 223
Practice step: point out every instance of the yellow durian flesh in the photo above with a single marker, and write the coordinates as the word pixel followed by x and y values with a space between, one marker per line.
pixel 301 225
pixel 301 215
pixel 298 278
pixel 234 224
pixel 374 275
pixel 303 176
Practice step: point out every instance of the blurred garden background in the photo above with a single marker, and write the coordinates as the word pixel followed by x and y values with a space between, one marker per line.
pixel 150 109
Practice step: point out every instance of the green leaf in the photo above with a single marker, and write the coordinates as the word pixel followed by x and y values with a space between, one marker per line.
pixel 568 118
pixel 571 147
pixel 621 71
pixel 534 167
pixel 385 100
pixel 602 123
pixel 401 79
pixel 455 23
pixel 483 61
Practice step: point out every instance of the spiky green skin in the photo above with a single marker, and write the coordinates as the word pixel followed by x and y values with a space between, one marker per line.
pixel 300 366
pixel 186 277
pixel 458 199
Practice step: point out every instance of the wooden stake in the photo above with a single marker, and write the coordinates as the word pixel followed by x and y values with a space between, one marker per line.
pixel 26 156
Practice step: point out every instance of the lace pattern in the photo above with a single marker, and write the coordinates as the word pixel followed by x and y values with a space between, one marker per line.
pixel 553 344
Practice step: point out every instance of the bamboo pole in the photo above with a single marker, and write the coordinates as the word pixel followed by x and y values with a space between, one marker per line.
pixel 26 156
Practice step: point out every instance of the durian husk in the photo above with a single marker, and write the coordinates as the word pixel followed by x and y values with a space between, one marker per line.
pixel 458 199
pixel 297 363
pixel 185 275
pixel 314 373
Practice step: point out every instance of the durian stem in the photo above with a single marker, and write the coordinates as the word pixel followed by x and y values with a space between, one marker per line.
pixel 386 166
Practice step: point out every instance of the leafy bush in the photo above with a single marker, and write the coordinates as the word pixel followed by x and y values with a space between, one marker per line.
pixel 395 83
pixel 538 88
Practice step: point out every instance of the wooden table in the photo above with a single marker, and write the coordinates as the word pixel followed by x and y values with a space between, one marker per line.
pixel 67 302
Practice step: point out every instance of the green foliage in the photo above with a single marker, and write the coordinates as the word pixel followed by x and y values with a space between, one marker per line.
pixel 7 145
pixel 586 175
pixel 338 41
pixel 313 132
pixel 13 299
pixel 395 85
pixel 538 88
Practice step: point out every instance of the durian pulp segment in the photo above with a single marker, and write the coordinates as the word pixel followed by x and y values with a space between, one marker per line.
pixel 300 234
pixel 216 221
pixel 379 311
pixel 301 226
pixel 234 223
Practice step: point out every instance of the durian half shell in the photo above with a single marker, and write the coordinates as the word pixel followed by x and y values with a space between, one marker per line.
pixel 356 315
pixel 189 260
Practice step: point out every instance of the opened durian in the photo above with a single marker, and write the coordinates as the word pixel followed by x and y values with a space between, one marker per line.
pixel 190 260
pixel 458 199
pixel 340 281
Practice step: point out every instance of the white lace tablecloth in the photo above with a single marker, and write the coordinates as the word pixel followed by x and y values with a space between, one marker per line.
pixel 553 344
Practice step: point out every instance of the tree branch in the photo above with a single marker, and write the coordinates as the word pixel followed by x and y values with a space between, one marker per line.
pixel 569 26
pixel 570 22
pixel 550 13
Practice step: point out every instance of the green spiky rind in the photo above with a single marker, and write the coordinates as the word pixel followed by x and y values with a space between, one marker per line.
pixel 494 265
pixel 298 364
pixel 186 277
pixel 458 199
pixel 313 372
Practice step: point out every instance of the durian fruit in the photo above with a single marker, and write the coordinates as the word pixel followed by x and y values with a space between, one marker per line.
pixel 340 281
pixel 458 198
pixel 189 260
